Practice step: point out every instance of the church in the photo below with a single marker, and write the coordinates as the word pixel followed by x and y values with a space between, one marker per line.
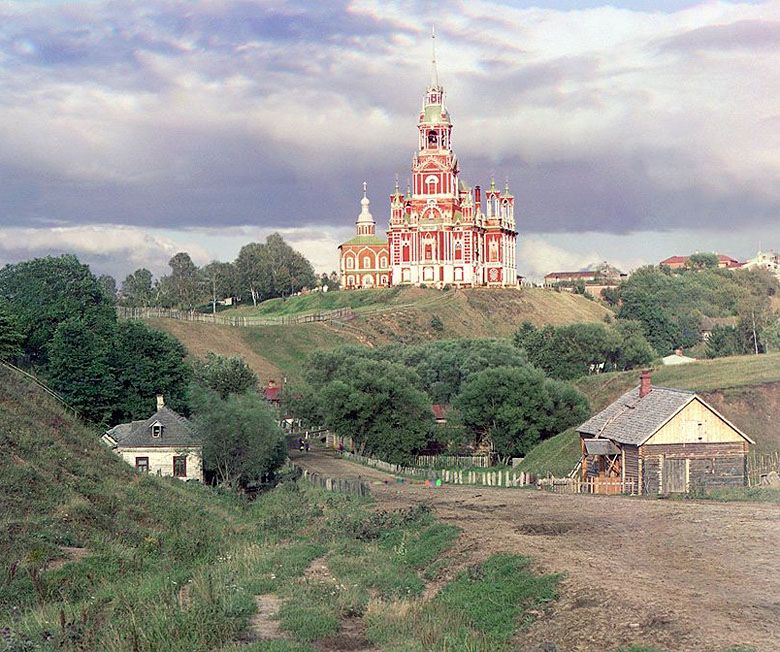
pixel 441 232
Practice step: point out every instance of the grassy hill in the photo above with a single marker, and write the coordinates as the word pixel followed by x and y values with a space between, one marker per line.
pixel 382 316
pixel 745 389
pixel 96 557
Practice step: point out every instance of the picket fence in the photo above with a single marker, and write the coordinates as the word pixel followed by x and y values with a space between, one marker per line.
pixel 337 485
pixel 488 479
pixel 604 486
pixel 441 461
pixel 341 314
pixel 759 465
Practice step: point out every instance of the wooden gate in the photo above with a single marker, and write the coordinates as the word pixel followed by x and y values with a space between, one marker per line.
pixel 675 476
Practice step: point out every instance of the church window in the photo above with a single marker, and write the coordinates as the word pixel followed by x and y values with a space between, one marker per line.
pixel 349 262
pixel 431 183
pixel 368 280
pixel 383 262
pixel 366 262
pixel 433 138
pixel 405 252
pixel 458 273
pixel 350 281
pixel 493 251
pixel 406 275
pixel 427 273
pixel 458 250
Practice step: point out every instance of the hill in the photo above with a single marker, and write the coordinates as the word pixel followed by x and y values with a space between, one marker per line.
pixel 382 316
pixel 745 389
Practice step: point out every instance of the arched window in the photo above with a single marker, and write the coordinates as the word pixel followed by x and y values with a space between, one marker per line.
pixel 458 250
pixel 432 184
pixel 349 262
pixel 366 262
pixel 383 262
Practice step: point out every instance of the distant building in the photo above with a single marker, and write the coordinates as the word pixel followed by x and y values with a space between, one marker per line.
pixel 164 444
pixel 596 278
pixel 657 440
pixel 438 233
pixel 769 260
pixel 679 262
pixel 273 393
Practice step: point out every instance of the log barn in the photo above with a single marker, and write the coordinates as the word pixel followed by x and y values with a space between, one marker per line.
pixel 658 440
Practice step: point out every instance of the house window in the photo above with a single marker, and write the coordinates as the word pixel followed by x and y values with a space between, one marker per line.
pixel 156 430
pixel 142 464
pixel 180 466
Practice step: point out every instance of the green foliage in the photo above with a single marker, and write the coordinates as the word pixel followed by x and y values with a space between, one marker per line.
pixel 702 261
pixel 378 405
pixel 513 590
pixel 671 305
pixel 137 289
pixel 437 325
pixel 186 283
pixel 724 341
pixel 44 292
pixel 272 269
pixel 242 442
pixel 11 336
pixel 224 375
pixel 516 408
pixel 568 352
pixel 79 369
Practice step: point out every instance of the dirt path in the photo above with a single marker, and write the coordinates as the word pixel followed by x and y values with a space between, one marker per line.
pixel 682 576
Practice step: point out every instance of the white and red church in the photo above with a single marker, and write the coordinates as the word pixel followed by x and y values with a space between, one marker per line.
pixel 439 232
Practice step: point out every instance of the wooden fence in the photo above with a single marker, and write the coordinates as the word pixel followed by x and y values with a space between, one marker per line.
pixel 337 485
pixel 507 478
pixel 759 465
pixel 343 314
pixel 603 486
pixel 444 461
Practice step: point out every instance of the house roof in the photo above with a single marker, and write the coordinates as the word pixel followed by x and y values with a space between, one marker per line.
pixel 439 411
pixel 365 240
pixel 633 420
pixel 271 392
pixel 177 431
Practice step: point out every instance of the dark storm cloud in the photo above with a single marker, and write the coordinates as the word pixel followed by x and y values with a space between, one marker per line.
pixel 214 113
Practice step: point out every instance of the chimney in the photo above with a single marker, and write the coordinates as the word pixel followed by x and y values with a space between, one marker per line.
pixel 645 383
pixel 679 351
pixel 160 402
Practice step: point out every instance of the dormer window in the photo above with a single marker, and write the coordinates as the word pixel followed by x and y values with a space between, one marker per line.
pixel 157 429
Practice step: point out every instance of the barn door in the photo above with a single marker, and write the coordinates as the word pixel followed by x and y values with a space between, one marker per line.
pixel 675 476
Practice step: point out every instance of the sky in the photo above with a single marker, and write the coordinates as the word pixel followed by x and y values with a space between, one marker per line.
pixel 628 131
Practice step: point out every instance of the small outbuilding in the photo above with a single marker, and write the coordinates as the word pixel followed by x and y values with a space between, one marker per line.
pixel 164 444
pixel 658 440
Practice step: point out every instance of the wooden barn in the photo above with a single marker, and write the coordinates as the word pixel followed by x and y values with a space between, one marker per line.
pixel 657 440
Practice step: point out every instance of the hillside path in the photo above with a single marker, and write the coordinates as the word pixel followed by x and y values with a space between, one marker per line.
pixel 679 575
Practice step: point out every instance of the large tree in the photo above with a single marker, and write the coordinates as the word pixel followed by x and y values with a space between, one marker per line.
pixel 221 281
pixel 186 282
pixel 11 336
pixel 45 292
pixel 79 370
pixel 146 362
pixel 137 290
pixel 242 442
pixel 224 375
pixel 516 408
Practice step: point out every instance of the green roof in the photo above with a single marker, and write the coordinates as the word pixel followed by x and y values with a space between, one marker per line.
pixel 433 114
pixel 366 239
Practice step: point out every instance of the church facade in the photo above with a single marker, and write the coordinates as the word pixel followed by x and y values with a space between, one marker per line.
pixel 440 232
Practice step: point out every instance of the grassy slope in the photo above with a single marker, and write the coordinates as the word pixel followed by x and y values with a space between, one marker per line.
pixel 95 557
pixel 745 389
pixel 382 317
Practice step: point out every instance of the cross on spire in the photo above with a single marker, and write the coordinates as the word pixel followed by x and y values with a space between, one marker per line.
pixel 434 71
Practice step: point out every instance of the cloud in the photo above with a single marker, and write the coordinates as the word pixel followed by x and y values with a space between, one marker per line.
pixel 215 114
pixel 539 257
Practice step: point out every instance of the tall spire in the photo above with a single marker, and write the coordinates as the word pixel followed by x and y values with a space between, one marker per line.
pixel 434 71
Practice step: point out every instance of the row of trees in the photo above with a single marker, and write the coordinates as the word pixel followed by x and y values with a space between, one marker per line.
pixel 672 305
pixel 261 271
pixel 568 352
pixel 382 397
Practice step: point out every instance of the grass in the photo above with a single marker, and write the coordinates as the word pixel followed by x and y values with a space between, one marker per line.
pixel 166 565
pixel 555 456
pixel 317 301
pixel 736 494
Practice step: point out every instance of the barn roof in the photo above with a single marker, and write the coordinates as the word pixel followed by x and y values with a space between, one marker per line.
pixel 633 420
pixel 177 431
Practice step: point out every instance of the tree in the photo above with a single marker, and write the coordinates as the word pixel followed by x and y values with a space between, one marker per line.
pixel 108 283
pixel 224 375
pixel 137 289
pixel 772 336
pixel 242 442
pixel 634 349
pixel 723 341
pixel 251 270
pixel 702 261
pixel 220 280
pixel 146 362
pixel 186 285
pixel 11 336
pixel 515 408
pixel 79 370
pixel 45 292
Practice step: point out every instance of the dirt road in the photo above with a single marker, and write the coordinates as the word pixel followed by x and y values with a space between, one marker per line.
pixel 679 575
